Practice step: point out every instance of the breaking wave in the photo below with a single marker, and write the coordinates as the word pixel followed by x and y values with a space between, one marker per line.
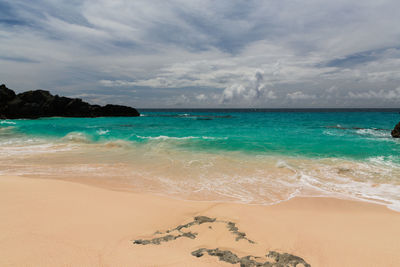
pixel 77 137
pixel 7 122
pixel 164 137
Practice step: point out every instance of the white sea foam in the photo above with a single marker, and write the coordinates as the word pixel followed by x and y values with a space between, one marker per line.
pixel 333 132
pixel 389 161
pixel 31 149
pixel 19 141
pixel 164 137
pixel 386 194
pixel 225 176
pixel 102 132
pixel 76 137
pixel 373 132
pixel 7 122
pixel 378 183
pixel 281 164
pixel 214 138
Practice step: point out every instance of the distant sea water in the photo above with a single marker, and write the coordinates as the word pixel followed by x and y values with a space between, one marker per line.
pixel 248 156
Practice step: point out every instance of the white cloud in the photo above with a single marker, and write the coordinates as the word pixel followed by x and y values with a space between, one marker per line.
pixel 212 48
pixel 116 83
pixel 299 95
pixel 255 89
pixel 379 94
pixel 332 89
pixel 201 97
pixel 180 100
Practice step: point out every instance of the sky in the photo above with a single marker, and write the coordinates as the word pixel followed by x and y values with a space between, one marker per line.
pixel 203 54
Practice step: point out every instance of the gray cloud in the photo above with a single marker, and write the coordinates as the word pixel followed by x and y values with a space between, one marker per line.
pixel 300 95
pixel 18 59
pixel 209 54
pixel 381 94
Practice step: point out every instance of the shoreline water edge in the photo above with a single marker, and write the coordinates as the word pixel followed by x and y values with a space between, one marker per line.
pixel 240 156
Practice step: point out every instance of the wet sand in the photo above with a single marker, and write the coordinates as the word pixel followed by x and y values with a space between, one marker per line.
pixel 58 223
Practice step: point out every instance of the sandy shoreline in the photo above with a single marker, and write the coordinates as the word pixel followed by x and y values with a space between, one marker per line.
pixel 59 223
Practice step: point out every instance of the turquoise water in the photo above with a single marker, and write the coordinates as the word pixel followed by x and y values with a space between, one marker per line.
pixel 324 147
pixel 355 135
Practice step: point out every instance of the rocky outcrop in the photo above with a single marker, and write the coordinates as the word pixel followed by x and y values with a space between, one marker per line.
pixel 197 221
pixel 278 259
pixel 272 259
pixel 396 131
pixel 41 103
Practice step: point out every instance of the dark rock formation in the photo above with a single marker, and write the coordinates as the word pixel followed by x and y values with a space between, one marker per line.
pixel 286 259
pixel 273 259
pixel 223 255
pixel 197 221
pixel 239 235
pixel 40 103
pixel 279 259
pixel 396 131
pixel 167 238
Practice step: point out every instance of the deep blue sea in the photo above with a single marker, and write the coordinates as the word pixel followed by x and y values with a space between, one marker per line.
pixel 252 156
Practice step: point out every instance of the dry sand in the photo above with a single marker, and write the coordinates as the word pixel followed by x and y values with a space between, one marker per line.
pixel 58 223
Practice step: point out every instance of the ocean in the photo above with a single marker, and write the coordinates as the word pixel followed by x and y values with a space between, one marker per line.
pixel 255 156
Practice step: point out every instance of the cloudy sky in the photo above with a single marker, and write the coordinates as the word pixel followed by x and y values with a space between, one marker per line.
pixel 220 53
